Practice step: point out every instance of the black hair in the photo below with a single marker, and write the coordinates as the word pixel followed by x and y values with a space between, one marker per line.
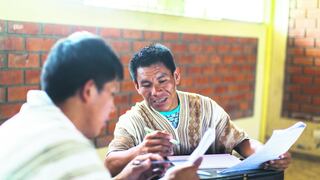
pixel 152 54
pixel 75 60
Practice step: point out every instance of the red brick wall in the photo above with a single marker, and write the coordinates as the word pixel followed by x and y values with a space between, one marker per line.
pixel 302 85
pixel 220 67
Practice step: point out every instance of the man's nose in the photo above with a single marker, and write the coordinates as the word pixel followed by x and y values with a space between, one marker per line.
pixel 155 89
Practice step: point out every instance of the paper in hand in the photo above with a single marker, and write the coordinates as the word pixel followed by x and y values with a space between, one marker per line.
pixel 278 144
pixel 206 141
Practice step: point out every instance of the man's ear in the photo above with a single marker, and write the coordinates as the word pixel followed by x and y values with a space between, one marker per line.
pixel 176 76
pixel 88 90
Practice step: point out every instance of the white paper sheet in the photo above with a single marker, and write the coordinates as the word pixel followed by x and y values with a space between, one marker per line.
pixel 211 161
pixel 279 143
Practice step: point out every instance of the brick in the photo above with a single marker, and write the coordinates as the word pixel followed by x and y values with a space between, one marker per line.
pixel 313 33
pixel 249 50
pixel 318 42
pixel 223 48
pixel 125 58
pixel 187 81
pixel 84 28
pixel 132 34
pixel 23 60
pixel 11 77
pixel 312 71
pixel 313 13
pixel 217 39
pixel 11 43
pixel 2 94
pixel 110 32
pixel 189 37
pixel 139 45
pixel 122 99
pixel 207 91
pixel 295 69
pixel 2 26
pixel 171 36
pixel 19 93
pixel 203 38
pixel 309 109
pixel 303 60
pixel 32 76
pixel 301 98
pixel 311 90
pixel 121 46
pixel 208 48
pixel 305 23
pixel 296 32
pixel 178 48
pixel 152 35
pixel 215 59
pixel 301 79
pixel 228 59
pixel 43 57
pixel 194 70
pixel 293 107
pixel 313 52
pixel 293 88
pixel 236 49
pixel 201 81
pixel 291 23
pixel 8 110
pixel 135 97
pixel 55 29
pixel 304 42
pixel 307 4
pixel 317 61
pixel 316 101
pixel 183 59
pixel 23 28
pixel 195 48
pixel 2 60
pixel 127 86
pixel 39 44
pixel 317 80
pixel 297 13
pixel 295 51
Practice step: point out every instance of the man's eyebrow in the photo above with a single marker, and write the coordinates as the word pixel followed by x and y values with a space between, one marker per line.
pixel 162 75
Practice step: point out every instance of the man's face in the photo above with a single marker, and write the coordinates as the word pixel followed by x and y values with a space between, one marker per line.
pixel 157 85
pixel 102 105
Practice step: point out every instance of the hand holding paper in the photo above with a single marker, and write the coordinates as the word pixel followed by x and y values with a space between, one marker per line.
pixel 278 144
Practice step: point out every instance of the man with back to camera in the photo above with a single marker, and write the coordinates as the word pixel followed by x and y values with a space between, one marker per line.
pixel 48 138
pixel 173 114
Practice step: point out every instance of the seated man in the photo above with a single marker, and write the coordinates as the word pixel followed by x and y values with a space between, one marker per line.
pixel 174 114
pixel 48 138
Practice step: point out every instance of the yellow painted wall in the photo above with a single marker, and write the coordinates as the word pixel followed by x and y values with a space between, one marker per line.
pixel 73 12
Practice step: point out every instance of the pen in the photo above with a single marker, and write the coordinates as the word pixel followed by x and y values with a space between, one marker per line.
pixel 168 161
pixel 173 141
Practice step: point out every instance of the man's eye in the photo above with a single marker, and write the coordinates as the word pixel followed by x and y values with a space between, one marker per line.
pixel 146 85
pixel 162 81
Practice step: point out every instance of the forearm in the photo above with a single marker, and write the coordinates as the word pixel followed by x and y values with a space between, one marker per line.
pixel 248 147
pixel 116 161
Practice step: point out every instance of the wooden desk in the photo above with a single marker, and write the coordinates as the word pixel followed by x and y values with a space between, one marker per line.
pixel 253 174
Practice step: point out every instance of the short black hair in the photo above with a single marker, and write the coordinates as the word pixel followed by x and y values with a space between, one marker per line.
pixel 74 60
pixel 152 54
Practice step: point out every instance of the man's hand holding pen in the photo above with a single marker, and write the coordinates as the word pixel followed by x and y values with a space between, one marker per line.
pixel 157 142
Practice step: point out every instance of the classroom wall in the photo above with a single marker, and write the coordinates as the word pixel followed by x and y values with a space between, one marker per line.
pixel 220 67
pixel 74 13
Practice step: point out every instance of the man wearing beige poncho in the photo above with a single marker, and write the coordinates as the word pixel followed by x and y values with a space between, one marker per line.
pixel 174 115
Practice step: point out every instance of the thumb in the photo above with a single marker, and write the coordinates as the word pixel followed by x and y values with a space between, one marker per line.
pixel 197 163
